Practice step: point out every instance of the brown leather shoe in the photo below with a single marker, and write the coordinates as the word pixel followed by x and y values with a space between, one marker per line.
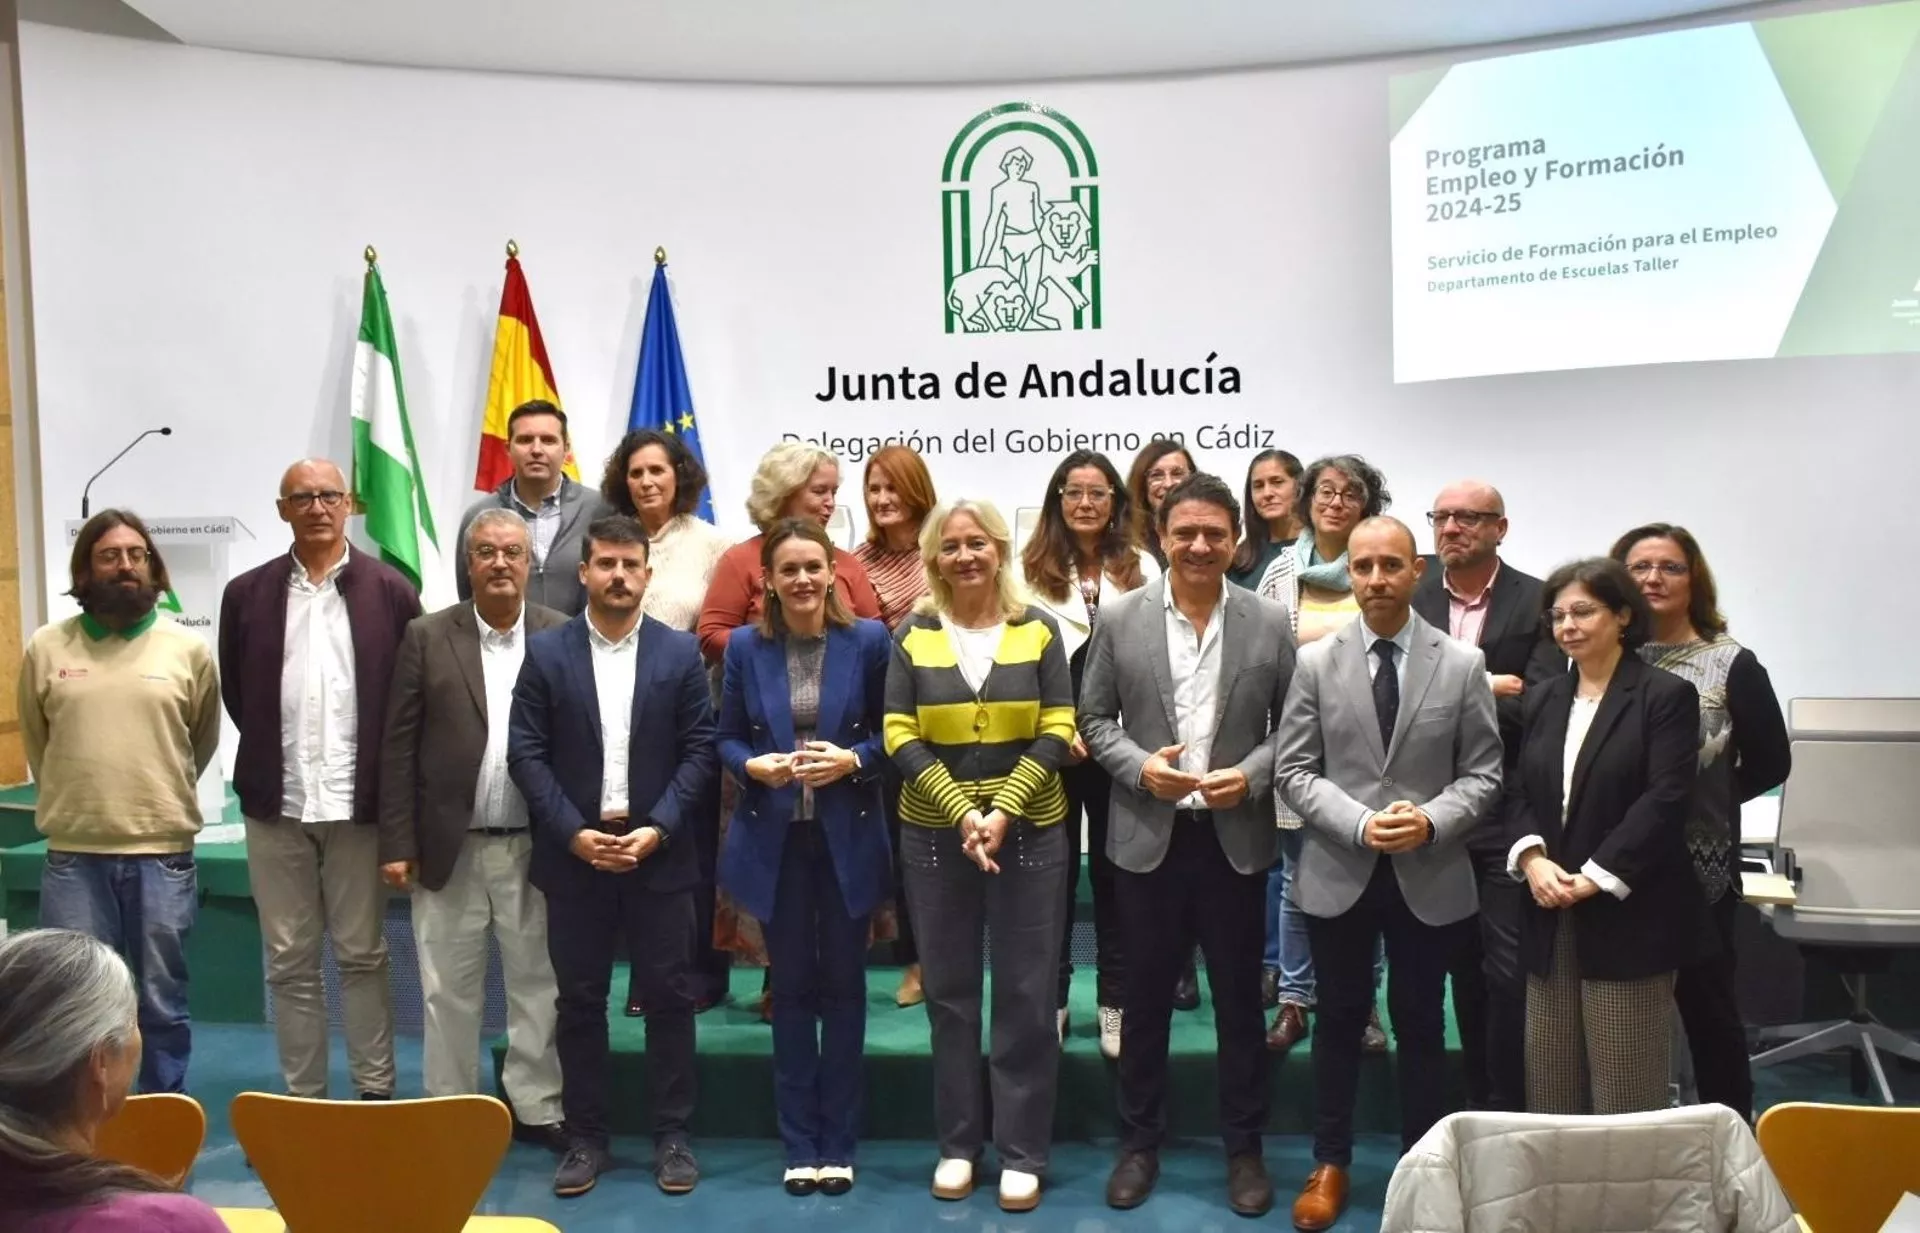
pixel 1322 1200
pixel 1289 1028
pixel 909 993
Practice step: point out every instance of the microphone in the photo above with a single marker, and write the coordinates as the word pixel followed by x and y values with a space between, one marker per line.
pixel 85 506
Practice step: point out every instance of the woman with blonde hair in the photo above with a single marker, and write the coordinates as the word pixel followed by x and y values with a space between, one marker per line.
pixel 979 722
pixel 899 494
pixel 69 1049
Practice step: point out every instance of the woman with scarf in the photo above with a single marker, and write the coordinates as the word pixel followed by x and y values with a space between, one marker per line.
pixel 1335 495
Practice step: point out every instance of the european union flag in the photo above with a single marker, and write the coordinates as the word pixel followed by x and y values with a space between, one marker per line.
pixel 661 399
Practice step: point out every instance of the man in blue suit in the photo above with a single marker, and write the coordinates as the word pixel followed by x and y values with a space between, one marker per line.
pixel 611 743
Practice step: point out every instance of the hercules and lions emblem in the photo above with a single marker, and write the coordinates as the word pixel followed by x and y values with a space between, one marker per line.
pixel 1021 213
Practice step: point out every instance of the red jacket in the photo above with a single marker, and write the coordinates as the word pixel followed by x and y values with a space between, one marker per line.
pixel 734 595
pixel 253 642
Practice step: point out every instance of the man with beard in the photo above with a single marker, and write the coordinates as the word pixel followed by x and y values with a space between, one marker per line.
pixel 611 744
pixel 120 709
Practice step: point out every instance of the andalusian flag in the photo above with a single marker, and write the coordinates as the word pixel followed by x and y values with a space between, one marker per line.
pixel 386 470
pixel 521 373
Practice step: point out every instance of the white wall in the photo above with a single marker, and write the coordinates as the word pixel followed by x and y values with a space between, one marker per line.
pixel 198 218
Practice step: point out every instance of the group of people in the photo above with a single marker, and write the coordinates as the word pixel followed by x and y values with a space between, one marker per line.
pixel 1295 743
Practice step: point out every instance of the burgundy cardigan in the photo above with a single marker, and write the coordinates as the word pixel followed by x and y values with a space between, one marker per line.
pixel 253 641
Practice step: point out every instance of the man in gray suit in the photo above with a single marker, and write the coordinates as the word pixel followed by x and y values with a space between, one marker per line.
pixel 1390 750
pixel 1184 680
pixel 454 830
pixel 557 509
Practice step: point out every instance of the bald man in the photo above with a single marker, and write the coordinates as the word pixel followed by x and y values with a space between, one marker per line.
pixel 308 643
pixel 1389 752
pixel 1483 601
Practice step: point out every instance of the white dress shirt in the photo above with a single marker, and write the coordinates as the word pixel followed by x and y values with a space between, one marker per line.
pixel 1402 643
pixel 1193 655
pixel 319 701
pixel 497 804
pixel 614 667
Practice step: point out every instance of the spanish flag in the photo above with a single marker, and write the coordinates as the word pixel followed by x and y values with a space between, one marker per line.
pixel 521 373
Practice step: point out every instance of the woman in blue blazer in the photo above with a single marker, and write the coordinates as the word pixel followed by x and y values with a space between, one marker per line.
pixel 801 710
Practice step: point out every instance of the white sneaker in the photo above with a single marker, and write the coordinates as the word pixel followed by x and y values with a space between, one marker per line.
pixel 953 1179
pixel 836 1179
pixel 801 1180
pixel 1110 1032
pixel 1060 1024
pixel 1019 1192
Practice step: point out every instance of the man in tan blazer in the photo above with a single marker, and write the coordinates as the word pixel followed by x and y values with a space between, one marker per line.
pixel 454 830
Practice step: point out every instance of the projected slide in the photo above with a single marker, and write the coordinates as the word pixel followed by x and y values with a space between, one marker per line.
pixel 1731 192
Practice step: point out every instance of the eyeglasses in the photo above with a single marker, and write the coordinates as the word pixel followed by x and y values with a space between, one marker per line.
pixel 1327 494
pixel 1074 496
pixel 1465 519
pixel 1647 569
pixel 487 552
pixel 1579 612
pixel 329 499
pixel 1159 476
pixel 114 556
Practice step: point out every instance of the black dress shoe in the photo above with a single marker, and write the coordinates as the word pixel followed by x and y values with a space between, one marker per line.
pixel 675 1170
pixel 1186 990
pixel 1269 988
pixel 1132 1179
pixel 579 1169
pixel 1249 1191
pixel 376 1095
pixel 552 1136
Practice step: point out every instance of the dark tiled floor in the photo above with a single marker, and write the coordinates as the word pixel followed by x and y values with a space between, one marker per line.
pixel 740 1189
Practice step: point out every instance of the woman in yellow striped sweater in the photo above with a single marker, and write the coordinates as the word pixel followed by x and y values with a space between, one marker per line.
pixel 979 719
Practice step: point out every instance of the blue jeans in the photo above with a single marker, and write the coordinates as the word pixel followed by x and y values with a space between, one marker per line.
pixel 143 907
pixel 1287 949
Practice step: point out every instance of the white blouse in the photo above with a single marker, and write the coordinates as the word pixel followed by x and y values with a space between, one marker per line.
pixel 683 557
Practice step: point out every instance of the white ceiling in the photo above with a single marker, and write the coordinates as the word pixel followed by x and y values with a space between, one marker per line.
pixel 877 41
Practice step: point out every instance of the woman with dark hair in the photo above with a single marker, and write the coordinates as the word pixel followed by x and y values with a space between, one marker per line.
pixel 1271 501
pixel 1333 496
pixel 899 494
pixel 1744 751
pixel 1597 811
pixel 654 477
pixel 1081 555
pixel 802 710
pixel 69 1048
pixel 1159 465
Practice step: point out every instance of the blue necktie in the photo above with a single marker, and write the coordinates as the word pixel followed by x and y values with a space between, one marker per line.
pixel 1386 693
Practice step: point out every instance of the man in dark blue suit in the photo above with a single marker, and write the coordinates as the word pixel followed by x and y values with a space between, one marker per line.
pixel 611 743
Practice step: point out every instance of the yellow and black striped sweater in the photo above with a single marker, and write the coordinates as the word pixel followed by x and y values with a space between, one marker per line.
pixel 1001 749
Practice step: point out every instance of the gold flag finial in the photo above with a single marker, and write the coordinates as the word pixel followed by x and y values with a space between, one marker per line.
pixel 513 250
pixel 370 255
pixel 659 256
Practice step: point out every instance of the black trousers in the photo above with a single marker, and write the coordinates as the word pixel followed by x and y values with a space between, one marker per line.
pixel 1417 958
pixel 905 951
pixel 1709 1002
pixel 583 928
pixel 711 967
pixel 1490 995
pixel 1194 895
pixel 1089 789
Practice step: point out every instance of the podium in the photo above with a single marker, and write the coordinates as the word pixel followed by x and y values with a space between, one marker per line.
pixel 195 551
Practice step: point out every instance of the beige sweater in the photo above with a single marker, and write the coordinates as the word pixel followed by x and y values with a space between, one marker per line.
pixel 118 728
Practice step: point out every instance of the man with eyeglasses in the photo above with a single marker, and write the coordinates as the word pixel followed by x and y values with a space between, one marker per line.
pixel 556 508
pixel 1485 602
pixel 120 714
pixel 307 649
pixel 454 830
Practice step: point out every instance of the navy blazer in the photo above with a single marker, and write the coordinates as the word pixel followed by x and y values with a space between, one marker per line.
pixel 756 718
pixel 554 753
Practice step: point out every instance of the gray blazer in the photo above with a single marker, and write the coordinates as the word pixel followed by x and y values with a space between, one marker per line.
pixel 1445 758
pixel 1126 712
pixel 557 585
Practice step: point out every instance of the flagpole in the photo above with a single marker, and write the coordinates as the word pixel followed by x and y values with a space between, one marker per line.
pixel 659 256
pixel 513 250
pixel 371 256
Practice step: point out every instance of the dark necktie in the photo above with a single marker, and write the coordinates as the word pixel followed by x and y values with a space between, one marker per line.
pixel 1386 693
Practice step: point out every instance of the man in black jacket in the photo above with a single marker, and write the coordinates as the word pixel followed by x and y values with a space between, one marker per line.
pixel 1478 598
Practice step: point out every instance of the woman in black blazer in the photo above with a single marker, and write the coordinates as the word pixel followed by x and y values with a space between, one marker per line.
pixel 1597 815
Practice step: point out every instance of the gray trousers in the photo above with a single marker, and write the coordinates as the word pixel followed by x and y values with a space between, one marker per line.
pixel 952 901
